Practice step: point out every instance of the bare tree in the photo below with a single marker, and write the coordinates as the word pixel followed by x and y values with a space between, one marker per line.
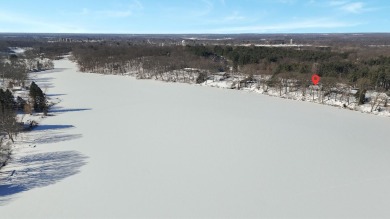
pixel 378 99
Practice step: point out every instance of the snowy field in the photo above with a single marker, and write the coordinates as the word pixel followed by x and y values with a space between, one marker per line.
pixel 117 147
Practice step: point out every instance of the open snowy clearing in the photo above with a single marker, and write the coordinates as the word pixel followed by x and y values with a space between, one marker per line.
pixel 118 147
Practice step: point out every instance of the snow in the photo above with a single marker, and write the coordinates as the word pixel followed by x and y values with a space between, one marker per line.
pixel 18 50
pixel 312 94
pixel 227 84
pixel 117 147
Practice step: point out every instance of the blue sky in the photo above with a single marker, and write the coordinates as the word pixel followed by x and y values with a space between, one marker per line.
pixel 194 16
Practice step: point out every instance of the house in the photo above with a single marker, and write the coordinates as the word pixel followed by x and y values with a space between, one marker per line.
pixel 220 76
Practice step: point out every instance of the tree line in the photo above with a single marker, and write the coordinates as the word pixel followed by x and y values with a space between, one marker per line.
pixel 145 60
pixel 347 67
pixel 150 61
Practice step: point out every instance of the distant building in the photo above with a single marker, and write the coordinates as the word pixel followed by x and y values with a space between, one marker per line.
pixel 68 40
pixel 280 42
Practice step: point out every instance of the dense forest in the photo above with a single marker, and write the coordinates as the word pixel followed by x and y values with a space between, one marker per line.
pixel 343 66
pixel 148 61
pixel 348 67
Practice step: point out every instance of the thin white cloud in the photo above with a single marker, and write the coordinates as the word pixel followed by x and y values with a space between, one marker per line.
pixel 291 26
pixel 347 6
pixel 115 14
pixel 125 11
pixel 136 5
pixel 286 1
pixel 208 6
pixel 11 22
pixel 355 7
pixel 205 9
pixel 85 11
pixel 337 2
pixel 234 17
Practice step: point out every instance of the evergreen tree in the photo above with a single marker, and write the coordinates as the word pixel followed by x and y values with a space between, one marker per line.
pixel 9 100
pixel 20 103
pixel 38 97
pixel 8 123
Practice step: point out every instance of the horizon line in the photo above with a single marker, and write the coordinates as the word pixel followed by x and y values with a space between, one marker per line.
pixel 86 33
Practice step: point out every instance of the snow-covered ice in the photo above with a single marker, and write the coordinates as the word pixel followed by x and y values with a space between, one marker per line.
pixel 18 50
pixel 118 147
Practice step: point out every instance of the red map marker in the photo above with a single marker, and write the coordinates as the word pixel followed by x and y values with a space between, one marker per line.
pixel 315 79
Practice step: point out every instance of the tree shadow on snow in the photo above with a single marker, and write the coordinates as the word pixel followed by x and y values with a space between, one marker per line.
pixel 44 82
pixel 55 95
pixel 45 85
pixel 54 138
pixel 43 79
pixel 39 170
pixel 54 70
pixel 51 127
pixel 64 110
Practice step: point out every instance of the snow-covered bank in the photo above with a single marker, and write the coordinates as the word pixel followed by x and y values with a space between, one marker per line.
pixel 376 104
pixel 118 147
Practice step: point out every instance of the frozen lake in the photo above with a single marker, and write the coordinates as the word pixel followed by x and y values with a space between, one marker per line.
pixel 119 147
